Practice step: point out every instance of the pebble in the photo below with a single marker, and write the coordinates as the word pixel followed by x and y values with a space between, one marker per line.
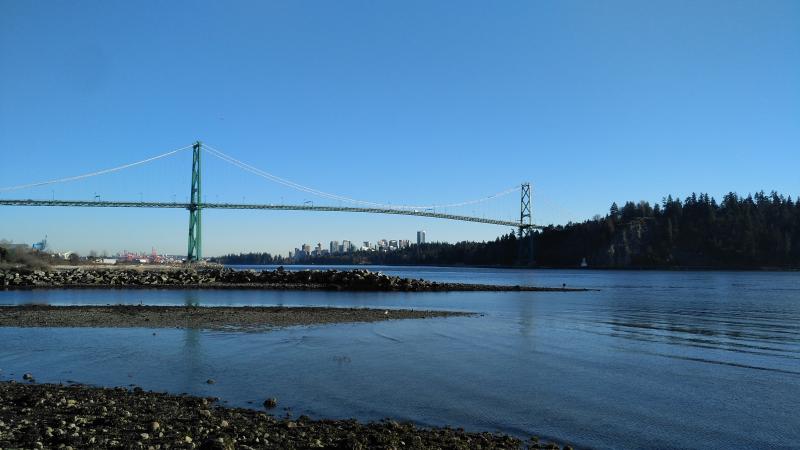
pixel 185 426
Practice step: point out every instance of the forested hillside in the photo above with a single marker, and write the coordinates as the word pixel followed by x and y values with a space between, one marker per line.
pixel 737 232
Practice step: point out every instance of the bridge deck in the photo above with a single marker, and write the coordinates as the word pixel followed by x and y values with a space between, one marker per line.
pixel 401 212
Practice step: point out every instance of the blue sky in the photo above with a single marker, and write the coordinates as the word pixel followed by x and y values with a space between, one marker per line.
pixel 393 102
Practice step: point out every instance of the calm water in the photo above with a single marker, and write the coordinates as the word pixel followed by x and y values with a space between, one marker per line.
pixel 654 359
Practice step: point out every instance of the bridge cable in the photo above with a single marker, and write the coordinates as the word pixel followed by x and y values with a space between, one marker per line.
pixel 93 174
pixel 242 165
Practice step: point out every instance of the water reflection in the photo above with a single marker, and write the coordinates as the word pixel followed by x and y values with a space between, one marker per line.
pixel 615 368
pixel 192 358
pixel 191 297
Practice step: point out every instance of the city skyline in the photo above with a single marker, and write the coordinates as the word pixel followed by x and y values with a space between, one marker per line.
pixel 346 246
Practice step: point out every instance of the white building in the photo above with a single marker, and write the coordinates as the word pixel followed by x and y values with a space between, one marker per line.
pixel 420 237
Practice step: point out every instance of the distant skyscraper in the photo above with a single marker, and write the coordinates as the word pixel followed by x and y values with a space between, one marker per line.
pixel 345 246
pixel 334 247
pixel 420 237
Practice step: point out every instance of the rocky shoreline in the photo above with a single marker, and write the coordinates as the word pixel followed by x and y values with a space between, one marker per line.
pixel 222 278
pixel 219 318
pixel 72 417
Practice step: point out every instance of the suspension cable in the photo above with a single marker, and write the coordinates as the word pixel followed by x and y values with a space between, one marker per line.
pixel 93 174
pixel 247 167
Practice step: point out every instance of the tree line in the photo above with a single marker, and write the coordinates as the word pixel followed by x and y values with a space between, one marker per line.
pixel 756 231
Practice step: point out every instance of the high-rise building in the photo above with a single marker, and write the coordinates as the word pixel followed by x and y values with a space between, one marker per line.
pixel 420 237
pixel 345 246
pixel 334 247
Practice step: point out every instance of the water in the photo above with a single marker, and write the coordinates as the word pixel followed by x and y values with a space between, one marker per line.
pixel 653 359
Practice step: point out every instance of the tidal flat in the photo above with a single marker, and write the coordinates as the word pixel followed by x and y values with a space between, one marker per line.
pixel 247 318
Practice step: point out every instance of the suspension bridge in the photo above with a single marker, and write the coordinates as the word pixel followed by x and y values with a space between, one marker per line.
pixel 195 205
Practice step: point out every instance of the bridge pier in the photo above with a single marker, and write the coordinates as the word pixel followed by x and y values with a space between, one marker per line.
pixel 195 252
pixel 525 226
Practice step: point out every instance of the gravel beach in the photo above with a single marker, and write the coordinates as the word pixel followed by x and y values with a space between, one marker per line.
pixel 76 417
pixel 221 318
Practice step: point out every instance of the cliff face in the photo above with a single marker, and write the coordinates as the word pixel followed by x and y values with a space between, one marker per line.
pixel 629 245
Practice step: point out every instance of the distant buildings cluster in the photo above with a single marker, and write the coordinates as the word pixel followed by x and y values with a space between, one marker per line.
pixel 147 258
pixel 124 257
pixel 346 246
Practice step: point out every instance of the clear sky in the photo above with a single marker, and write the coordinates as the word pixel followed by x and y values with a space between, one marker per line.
pixel 393 102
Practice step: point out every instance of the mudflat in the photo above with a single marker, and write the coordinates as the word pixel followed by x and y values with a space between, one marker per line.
pixel 221 318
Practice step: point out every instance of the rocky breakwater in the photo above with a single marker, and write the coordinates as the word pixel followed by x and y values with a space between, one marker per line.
pixel 353 280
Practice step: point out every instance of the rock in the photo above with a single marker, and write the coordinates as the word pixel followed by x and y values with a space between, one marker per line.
pixel 28 377
pixel 216 444
pixel 155 426
pixel 270 403
pixel 210 381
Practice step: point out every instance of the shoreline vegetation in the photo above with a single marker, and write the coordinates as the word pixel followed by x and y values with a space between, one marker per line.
pixel 224 278
pixel 78 416
pixel 228 318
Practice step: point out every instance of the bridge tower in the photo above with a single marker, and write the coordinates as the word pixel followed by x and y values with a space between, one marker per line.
pixel 195 233
pixel 525 226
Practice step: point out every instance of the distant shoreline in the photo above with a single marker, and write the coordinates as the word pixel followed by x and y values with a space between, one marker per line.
pixel 589 268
